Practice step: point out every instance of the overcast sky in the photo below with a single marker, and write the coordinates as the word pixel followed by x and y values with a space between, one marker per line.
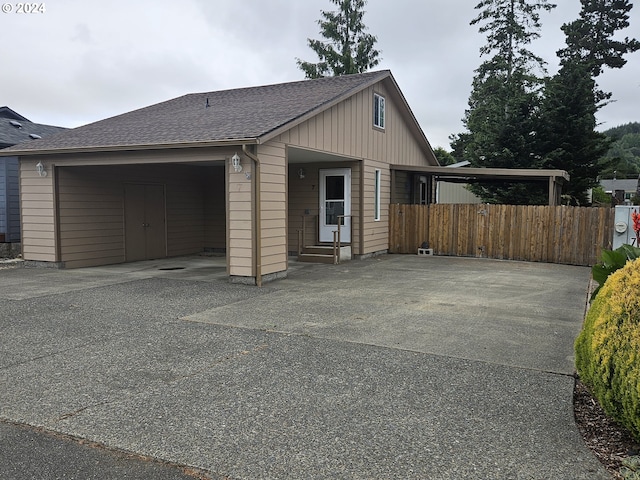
pixel 85 60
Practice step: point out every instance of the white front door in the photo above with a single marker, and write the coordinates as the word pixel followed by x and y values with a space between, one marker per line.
pixel 335 200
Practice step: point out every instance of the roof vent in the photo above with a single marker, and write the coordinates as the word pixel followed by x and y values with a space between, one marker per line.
pixel 34 136
pixel 15 123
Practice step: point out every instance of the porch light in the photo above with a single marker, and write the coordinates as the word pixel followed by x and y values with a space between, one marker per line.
pixel 235 162
pixel 40 169
pixel 301 173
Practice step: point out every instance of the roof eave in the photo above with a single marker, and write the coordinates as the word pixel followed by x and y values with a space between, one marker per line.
pixel 129 148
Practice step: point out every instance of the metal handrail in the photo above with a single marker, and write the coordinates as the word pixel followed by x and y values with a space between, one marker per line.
pixel 338 243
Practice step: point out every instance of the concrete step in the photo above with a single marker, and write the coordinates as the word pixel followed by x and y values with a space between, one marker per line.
pixel 324 254
pixel 345 251
pixel 315 258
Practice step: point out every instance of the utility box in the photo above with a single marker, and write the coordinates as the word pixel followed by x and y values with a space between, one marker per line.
pixel 623 226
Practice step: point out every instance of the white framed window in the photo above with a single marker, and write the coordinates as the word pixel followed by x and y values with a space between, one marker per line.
pixel 376 205
pixel 378 111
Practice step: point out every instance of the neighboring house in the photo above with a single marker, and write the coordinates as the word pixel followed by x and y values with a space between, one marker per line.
pixel 449 192
pixel 237 171
pixel 452 192
pixel 14 129
pixel 621 189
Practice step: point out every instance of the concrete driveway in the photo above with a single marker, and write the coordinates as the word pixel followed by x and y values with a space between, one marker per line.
pixel 395 367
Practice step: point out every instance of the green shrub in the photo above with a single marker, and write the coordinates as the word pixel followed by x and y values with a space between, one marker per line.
pixel 608 347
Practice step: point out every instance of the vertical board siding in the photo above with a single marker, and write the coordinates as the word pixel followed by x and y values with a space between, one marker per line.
pixel 567 235
pixel 347 129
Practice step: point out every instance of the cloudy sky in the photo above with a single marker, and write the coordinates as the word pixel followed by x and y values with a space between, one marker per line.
pixel 85 60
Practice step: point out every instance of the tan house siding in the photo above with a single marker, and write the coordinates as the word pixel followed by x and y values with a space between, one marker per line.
pixel 357 203
pixel 273 207
pixel 304 200
pixel 37 213
pixel 347 129
pixel 240 223
pixel 375 232
pixel 91 211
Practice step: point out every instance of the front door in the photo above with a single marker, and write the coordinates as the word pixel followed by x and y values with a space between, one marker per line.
pixel 145 233
pixel 335 200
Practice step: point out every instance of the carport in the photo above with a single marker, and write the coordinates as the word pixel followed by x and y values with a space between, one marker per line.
pixel 554 178
pixel 130 207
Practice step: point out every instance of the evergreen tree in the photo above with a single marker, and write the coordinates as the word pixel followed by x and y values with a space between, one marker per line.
pixel 347 49
pixel 590 39
pixel 623 156
pixel 572 97
pixel 502 118
pixel 570 141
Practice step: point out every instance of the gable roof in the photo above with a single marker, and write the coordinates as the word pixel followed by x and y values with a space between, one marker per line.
pixel 243 115
pixel 15 129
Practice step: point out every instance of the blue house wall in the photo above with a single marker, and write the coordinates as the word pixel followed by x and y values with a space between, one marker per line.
pixel 9 200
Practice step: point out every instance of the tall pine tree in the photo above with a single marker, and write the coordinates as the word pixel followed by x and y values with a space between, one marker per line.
pixel 348 48
pixel 502 119
pixel 572 97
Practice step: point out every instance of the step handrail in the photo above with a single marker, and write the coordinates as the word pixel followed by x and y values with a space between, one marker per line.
pixel 337 243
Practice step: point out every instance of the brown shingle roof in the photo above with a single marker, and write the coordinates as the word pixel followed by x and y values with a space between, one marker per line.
pixel 239 114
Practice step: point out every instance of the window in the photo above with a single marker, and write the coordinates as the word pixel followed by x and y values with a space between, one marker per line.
pixel 378 110
pixel 376 206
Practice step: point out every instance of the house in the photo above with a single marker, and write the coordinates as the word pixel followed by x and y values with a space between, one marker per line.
pixel 240 171
pixel 14 129
pixel 623 190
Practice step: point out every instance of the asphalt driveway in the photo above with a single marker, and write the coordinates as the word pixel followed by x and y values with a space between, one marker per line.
pixel 394 367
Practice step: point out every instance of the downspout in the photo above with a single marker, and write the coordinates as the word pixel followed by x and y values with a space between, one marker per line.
pixel 257 224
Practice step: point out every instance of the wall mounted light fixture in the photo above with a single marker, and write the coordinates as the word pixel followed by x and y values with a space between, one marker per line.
pixel 235 162
pixel 301 173
pixel 40 169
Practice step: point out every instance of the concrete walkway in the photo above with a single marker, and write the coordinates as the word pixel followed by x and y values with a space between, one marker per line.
pixel 395 367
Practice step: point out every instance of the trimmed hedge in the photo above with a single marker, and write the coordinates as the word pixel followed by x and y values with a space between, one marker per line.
pixel 608 347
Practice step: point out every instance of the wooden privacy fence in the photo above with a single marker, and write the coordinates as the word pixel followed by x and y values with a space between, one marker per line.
pixel 569 235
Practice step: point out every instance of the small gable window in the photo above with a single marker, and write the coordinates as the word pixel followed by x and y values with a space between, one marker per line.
pixel 378 110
